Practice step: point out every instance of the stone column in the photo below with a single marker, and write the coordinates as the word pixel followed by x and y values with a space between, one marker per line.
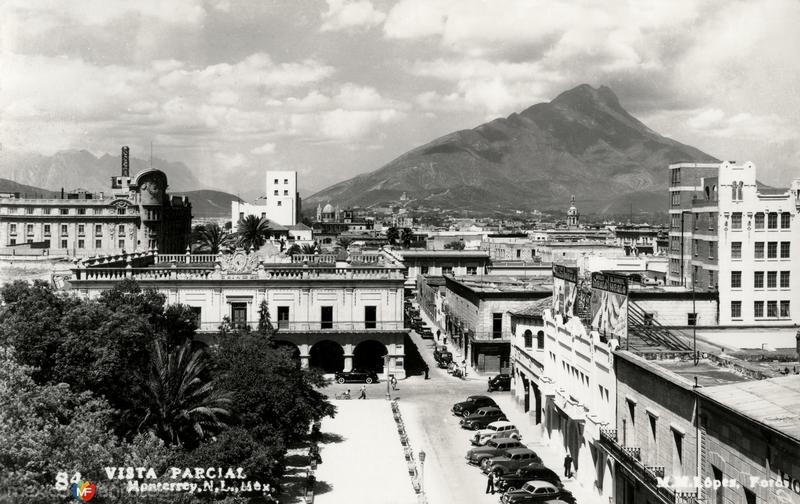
pixel 304 361
pixel 348 362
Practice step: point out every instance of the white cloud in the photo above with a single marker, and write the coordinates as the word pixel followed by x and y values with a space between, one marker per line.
pixel 267 148
pixel 349 15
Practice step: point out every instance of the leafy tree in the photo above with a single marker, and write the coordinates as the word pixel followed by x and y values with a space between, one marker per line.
pixel 210 238
pixel 309 249
pixel 406 237
pixel 265 327
pixel 392 234
pixel 294 249
pixel 252 232
pixel 343 242
pixel 183 405
pixel 455 245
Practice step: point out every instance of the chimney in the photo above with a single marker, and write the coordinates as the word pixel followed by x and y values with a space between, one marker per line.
pixel 126 167
pixel 62 193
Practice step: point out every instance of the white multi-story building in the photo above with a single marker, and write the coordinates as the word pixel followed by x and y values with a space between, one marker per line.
pixel 730 234
pixel 281 203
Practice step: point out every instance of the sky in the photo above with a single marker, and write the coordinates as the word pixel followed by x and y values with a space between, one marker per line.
pixel 334 88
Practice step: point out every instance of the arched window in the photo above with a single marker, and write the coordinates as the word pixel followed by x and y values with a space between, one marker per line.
pixel 741 185
pixel 733 190
pixel 540 340
pixel 528 338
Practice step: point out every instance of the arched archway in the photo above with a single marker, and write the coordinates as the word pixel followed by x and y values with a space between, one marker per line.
pixel 327 355
pixel 368 355
pixel 294 349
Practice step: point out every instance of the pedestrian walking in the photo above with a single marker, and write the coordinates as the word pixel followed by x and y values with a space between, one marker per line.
pixel 393 381
pixel 568 466
pixel 438 333
pixel 363 393
pixel 490 483
pixel 347 394
pixel 426 371
pixel 444 340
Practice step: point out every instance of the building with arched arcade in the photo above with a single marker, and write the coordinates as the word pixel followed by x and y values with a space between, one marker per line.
pixel 338 315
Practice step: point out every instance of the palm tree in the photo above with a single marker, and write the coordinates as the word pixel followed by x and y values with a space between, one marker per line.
pixel 392 235
pixel 309 249
pixel 344 242
pixel 406 236
pixel 294 249
pixel 252 231
pixel 210 238
pixel 182 404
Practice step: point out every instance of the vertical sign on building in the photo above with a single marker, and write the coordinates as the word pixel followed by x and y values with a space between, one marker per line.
pixel 126 166
pixel 565 290
pixel 610 304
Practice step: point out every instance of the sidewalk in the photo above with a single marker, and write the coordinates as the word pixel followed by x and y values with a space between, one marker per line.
pixel 455 350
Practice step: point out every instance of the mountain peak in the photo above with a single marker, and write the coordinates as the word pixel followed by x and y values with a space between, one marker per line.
pixel 586 94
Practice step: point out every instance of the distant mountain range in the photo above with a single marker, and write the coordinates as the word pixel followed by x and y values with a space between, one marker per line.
pixel 583 143
pixel 205 202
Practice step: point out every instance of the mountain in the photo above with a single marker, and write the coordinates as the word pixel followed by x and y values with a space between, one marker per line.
pixel 73 169
pixel 205 203
pixel 583 143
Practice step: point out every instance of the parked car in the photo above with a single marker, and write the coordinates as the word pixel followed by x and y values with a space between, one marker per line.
pixel 495 447
pixel 511 461
pixel 537 491
pixel 444 360
pixel 500 382
pixel 499 429
pixel 471 404
pixel 527 473
pixel 425 333
pixel 356 375
pixel 438 351
pixel 482 418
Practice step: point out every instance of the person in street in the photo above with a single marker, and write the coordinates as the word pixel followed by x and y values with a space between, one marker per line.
pixel 363 393
pixel 438 334
pixel 426 371
pixel 490 484
pixel 568 466
pixel 347 394
pixel 393 381
pixel 444 340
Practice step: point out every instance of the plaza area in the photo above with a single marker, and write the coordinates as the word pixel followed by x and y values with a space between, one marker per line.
pixel 362 458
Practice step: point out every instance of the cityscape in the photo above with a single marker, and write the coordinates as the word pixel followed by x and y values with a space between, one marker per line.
pixel 273 276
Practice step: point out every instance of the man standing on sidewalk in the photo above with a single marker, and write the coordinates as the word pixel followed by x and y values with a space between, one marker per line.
pixel 490 484
pixel 568 466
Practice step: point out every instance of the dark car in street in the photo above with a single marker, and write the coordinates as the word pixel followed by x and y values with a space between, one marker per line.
pixel 493 448
pixel 511 461
pixel 425 332
pixel 356 375
pixel 500 382
pixel 472 404
pixel 483 417
pixel 515 480
pixel 537 491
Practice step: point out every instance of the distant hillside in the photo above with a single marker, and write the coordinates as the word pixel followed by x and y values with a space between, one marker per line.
pixel 205 203
pixel 583 142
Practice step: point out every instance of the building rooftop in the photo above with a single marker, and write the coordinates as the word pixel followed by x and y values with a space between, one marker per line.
pixel 504 284
pixel 410 254
pixel 774 402
pixel 707 372
pixel 535 309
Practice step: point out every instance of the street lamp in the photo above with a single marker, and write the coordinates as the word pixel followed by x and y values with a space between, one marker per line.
pixel 386 368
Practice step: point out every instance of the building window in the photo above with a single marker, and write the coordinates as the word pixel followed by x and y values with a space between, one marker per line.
pixel 121 211
pixel 81 243
pixel 653 420
pixel 197 312
pixel 63 230
pixel 286 192
pixel 98 244
pixel 711 279
pixel 675 176
pixel 759 250
pixel 784 279
pixel 736 220
pixel 81 229
pixel 772 250
pixel 29 229
pixel 540 340
pixel 758 309
pixel 285 181
pixel 472 270
pixel 63 211
pixel 63 244
pixel 239 314
pixel 276 181
pixel 29 210
pixel 283 317
pixel 497 325
pixel 275 192
pixel 785 220
pixel 758 279
pixel 676 199
pixel 772 220
pixel 121 243
pixel 423 270
pixel 12 229
pixel 121 229
pixel 447 270
pixel 46 211
pixel 772 308
pixel 785 309
pixel 678 446
pixel 785 250
pixel 280 203
pixel 772 279
pixel 736 250
pixel 736 279
pixel 719 488
pixel 736 309
pixel 760 220
pixel 326 317
pixel 47 229
pixel 81 211
pixel 370 317
pixel 98 211
pixel 691 319
pixel 98 230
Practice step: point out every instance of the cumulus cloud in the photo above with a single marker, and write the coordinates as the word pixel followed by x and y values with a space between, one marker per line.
pixel 349 15
pixel 267 148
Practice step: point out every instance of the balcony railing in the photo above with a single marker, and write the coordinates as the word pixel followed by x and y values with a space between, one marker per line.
pixel 268 272
pixel 490 336
pixel 293 326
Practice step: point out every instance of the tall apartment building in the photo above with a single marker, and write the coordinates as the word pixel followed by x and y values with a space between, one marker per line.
pixel 728 232
pixel 137 214
pixel 281 202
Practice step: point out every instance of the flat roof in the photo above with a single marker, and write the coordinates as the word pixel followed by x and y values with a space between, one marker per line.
pixel 504 284
pixel 774 402
pixel 406 254
pixel 535 308
pixel 708 373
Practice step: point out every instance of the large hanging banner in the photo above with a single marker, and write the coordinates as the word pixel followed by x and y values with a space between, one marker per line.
pixel 565 290
pixel 610 304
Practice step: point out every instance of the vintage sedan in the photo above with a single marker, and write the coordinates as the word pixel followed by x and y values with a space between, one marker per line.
pixel 500 382
pixel 483 417
pixel 517 479
pixel 537 491
pixel 511 461
pixel 493 448
pixel 356 375
pixel 499 429
pixel 472 404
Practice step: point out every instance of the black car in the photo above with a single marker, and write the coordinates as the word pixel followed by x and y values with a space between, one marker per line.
pixel 500 382
pixel 471 405
pixel 515 480
pixel 356 375
pixel 481 418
